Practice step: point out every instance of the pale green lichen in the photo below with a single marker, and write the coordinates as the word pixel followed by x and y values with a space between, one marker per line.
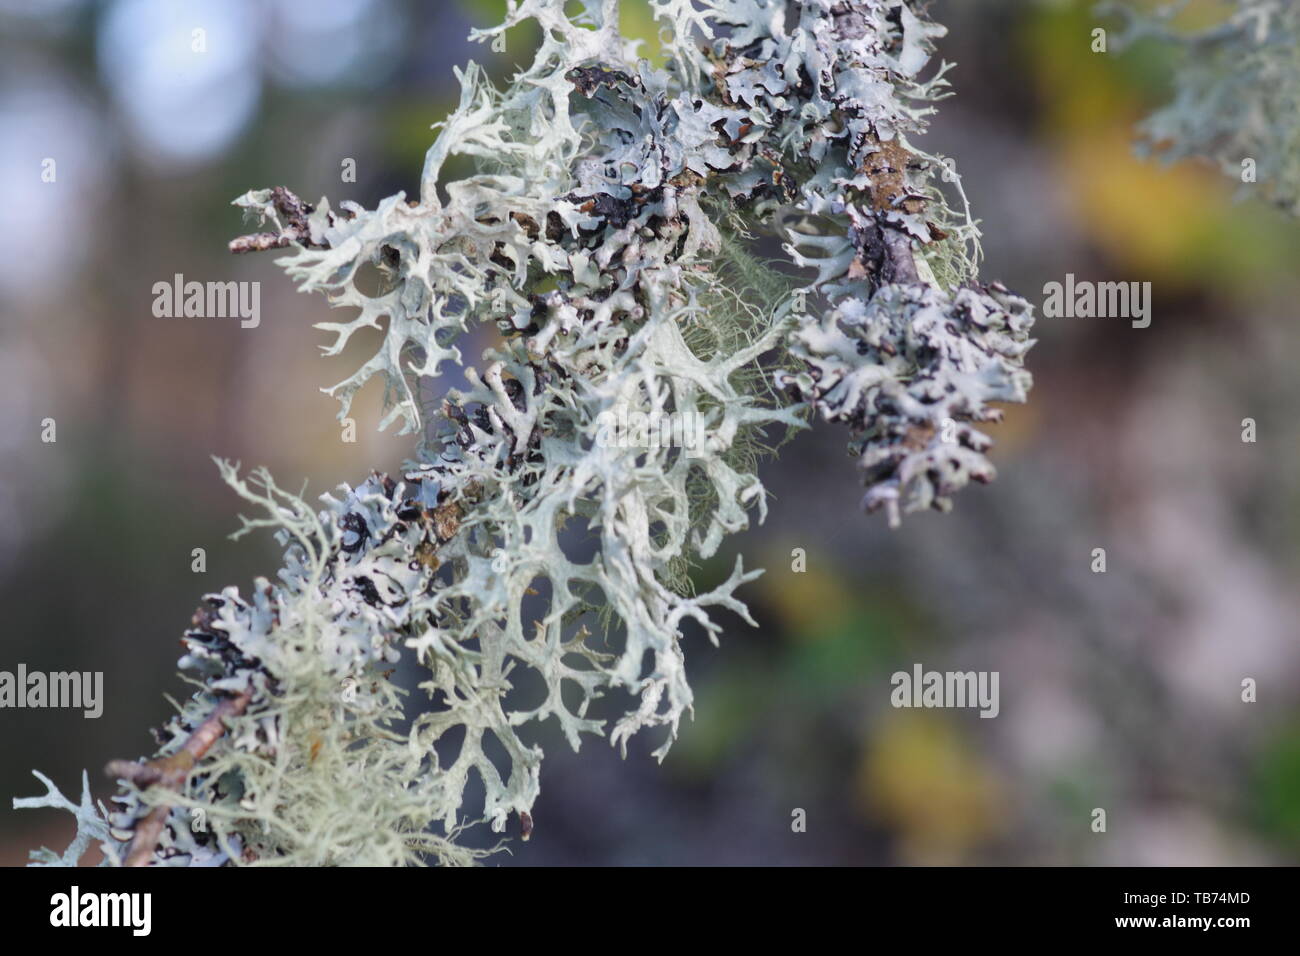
pixel 606 235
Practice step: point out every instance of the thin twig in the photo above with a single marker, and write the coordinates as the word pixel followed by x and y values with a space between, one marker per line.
pixel 171 772
pixel 297 226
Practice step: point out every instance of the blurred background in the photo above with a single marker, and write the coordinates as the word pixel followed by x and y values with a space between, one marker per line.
pixel 1119 690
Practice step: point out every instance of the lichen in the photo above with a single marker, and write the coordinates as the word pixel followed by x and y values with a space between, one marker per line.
pixel 608 234
pixel 1237 92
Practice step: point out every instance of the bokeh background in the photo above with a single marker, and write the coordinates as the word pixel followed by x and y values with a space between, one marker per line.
pixel 1119 690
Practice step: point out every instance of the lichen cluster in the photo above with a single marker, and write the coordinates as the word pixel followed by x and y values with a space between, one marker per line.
pixel 608 235
pixel 1237 92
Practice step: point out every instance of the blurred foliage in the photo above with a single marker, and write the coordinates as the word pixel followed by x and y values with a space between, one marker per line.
pixel 930 786
pixel 1177 226
pixel 1277 781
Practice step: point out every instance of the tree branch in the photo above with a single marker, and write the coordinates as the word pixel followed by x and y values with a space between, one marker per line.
pixel 171 772
pixel 297 228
